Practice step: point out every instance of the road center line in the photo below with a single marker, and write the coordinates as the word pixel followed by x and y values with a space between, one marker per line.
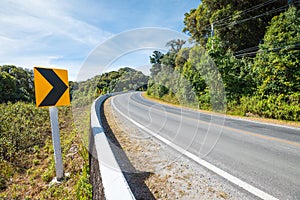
pixel 255 191
pixel 229 128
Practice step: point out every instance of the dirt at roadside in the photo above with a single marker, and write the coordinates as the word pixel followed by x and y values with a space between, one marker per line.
pixel 248 116
pixel 155 171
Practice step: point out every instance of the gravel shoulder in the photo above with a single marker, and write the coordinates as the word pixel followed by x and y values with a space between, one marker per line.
pixel 156 171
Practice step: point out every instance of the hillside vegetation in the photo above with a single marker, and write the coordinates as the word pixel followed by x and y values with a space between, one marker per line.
pixel 249 65
pixel 16 84
pixel 244 59
pixel 26 152
pixel 125 79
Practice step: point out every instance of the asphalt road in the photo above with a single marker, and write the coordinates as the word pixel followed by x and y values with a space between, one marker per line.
pixel 265 156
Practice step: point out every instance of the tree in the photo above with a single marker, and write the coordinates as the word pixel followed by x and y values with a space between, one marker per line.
pixel 202 64
pixel 155 60
pixel 238 23
pixel 73 87
pixel 181 58
pixel 7 87
pixel 197 24
pixel 156 57
pixel 22 89
pixel 175 45
pixel 277 65
pixel 236 73
pixel 169 59
pixel 130 80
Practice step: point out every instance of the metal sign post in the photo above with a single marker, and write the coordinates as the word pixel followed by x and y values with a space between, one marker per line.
pixel 52 89
pixel 56 143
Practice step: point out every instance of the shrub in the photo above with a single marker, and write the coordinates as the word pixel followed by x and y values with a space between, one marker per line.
pixel 285 107
pixel 23 127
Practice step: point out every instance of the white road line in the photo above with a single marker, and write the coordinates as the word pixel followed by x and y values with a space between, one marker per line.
pixel 255 191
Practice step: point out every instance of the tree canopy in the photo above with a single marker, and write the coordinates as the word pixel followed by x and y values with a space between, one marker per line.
pixel 239 24
pixel 254 52
pixel 16 84
pixel 277 63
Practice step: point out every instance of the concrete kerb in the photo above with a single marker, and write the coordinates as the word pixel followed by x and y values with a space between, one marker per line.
pixel 114 183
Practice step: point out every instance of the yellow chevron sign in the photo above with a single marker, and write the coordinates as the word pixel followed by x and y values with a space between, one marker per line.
pixel 51 87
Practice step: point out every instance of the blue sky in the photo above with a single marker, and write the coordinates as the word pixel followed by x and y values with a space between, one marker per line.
pixel 62 34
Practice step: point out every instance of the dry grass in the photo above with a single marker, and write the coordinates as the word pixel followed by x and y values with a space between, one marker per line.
pixel 33 183
pixel 258 119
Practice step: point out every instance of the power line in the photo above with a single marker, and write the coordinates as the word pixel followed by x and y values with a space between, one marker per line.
pixel 288 47
pixel 253 17
pixel 247 10
pixel 247 49
pixel 247 54
pixel 224 25
pixel 267 13
pixel 242 12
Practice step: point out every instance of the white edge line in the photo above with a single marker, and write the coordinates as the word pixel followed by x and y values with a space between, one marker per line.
pixel 255 191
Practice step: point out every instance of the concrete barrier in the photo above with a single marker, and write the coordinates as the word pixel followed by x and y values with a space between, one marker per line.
pixel 114 183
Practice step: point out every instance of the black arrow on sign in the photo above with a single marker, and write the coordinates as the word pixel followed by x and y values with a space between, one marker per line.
pixel 59 87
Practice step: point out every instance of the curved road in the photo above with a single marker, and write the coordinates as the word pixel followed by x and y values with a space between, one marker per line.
pixel 264 156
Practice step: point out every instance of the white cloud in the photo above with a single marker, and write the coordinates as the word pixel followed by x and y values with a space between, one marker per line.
pixel 33 18
pixel 125 44
pixel 38 32
pixel 62 33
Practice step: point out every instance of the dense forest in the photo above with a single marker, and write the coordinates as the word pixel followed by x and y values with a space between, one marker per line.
pixel 245 60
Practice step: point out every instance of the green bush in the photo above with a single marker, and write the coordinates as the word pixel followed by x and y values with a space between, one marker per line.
pixel 23 128
pixel 82 101
pixel 285 107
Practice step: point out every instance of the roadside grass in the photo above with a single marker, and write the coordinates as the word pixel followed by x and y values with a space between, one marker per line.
pixel 235 113
pixel 32 181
